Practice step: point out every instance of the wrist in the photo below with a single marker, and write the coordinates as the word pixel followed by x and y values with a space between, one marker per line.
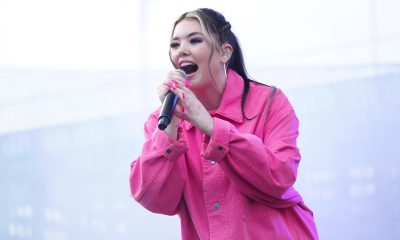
pixel 209 127
pixel 172 129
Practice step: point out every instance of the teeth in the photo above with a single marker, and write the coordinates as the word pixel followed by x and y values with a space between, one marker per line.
pixel 186 64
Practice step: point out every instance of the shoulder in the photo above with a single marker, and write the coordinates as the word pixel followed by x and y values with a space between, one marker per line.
pixel 260 95
pixel 281 111
pixel 280 102
pixel 259 90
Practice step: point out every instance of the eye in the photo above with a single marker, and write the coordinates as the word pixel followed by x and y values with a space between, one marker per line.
pixel 196 40
pixel 174 45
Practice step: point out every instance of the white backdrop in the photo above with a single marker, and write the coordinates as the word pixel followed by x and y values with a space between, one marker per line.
pixel 78 78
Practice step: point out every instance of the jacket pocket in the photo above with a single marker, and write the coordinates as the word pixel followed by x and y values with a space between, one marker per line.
pixel 251 210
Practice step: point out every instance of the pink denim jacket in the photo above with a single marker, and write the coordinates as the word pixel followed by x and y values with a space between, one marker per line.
pixel 236 184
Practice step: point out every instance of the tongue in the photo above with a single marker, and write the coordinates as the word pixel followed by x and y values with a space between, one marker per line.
pixel 190 69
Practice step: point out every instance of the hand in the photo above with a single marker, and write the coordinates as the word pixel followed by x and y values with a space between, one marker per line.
pixel 194 112
pixel 166 86
pixel 168 83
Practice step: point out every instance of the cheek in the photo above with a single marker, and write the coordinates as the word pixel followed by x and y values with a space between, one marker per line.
pixel 203 56
pixel 173 56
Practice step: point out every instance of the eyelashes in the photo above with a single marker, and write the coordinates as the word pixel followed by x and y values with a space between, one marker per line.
pixel 196 40
pixel 174 45
pixel 192 41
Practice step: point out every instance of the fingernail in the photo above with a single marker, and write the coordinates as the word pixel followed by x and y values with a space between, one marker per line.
pixel 175 81
pixel 173 87
pixel 168 85
pixel 183 95
pixel 187 83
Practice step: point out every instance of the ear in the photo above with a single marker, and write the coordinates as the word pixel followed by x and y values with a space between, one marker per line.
pixel 227 51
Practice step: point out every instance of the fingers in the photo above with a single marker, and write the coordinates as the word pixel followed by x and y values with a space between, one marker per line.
pixel 173 81
pixel 178 86
pixel 182 92
pixel 176 77
pixel 177 89
pixel 176 83
pixel 171 86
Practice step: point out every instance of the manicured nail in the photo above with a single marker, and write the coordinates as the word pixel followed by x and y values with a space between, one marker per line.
pixel 168 85
pixel 187 83
pixel 175 81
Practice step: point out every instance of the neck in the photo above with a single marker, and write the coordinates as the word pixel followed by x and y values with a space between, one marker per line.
pixel 210 100
pixel 211 97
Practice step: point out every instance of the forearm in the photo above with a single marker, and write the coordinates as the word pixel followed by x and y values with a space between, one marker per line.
pixel 257 167
pixel 156 178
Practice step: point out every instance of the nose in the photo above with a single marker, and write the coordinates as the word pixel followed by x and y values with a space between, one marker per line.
pixel 183 50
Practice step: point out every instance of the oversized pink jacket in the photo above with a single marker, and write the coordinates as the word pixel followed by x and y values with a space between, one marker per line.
pixel 236 184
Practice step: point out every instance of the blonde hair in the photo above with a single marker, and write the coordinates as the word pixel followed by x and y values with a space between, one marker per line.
pixel 217 31
pixel 205 28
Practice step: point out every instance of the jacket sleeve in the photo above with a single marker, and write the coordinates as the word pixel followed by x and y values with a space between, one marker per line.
pixel 263 169
pixel 156 177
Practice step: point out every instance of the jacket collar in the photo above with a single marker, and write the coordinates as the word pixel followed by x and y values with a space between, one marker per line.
pixel 229 107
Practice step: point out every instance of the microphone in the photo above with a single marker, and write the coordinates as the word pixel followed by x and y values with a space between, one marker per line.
pixel 168 106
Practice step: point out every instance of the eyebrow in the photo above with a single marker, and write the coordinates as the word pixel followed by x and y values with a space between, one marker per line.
pixel 189 35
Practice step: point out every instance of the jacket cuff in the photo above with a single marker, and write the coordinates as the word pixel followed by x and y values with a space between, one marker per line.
pixel 169 148
pixel 218 144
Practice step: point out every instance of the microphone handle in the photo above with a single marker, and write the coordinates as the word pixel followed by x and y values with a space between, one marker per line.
pixel 169 105
pixel 167 110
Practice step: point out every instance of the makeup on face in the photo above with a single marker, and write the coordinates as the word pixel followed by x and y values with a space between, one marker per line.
pixel 191 52
pixel 192 38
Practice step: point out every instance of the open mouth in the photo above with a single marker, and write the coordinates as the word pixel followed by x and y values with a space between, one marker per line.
pixel 189 68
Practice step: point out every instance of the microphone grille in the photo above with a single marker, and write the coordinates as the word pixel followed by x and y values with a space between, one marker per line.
pixel 182 73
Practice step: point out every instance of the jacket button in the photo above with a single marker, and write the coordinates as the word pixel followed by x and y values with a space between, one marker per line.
pixel 212 162
pixel 216 205
pixel 220 148
pixel 168 151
